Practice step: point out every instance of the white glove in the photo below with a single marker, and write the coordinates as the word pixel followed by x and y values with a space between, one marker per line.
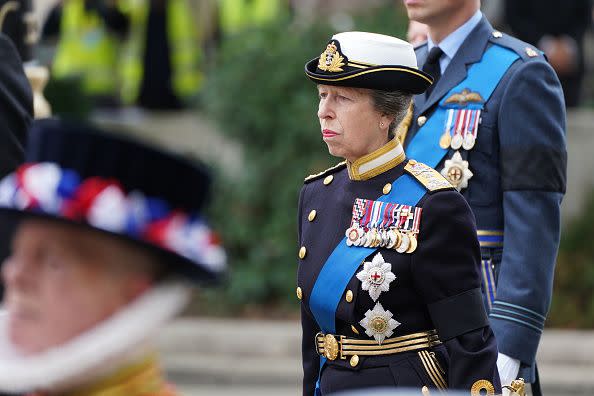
pixel 508 368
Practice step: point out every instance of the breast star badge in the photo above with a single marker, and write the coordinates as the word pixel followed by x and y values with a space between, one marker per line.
pixel 376 276
pixel 457 172
pixel 378 323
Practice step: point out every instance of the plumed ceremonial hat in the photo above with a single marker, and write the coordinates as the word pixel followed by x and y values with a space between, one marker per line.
pixel 79 174
pixel 369 60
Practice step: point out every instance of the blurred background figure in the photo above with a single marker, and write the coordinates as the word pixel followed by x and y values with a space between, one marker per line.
pixel 144 53
pixel 236 16
pixel 557 27
pixel 161 60
pixel 89 35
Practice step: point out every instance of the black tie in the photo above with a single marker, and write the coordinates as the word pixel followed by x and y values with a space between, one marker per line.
pixel 432 67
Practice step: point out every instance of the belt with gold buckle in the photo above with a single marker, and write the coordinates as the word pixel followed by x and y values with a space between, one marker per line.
pixel 333 346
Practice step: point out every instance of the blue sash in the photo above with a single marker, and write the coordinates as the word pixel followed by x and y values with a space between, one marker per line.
pixel 344 261
pixel 483 77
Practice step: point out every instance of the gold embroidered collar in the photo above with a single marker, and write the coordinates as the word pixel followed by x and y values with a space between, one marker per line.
pixel 142 378
pixel 377 162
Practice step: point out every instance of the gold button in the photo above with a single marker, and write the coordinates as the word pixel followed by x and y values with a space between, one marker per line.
pixel 421 120
pixel 354 361
pixel 497 34
pixel 302 252
pixel 328 179
pixel 312 215
pixel 412 162
pixel 387 188
pixel 299 293
pixel 354 330
pixel 349 296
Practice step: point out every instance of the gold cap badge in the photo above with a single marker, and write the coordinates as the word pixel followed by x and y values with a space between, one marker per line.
pixel 330 59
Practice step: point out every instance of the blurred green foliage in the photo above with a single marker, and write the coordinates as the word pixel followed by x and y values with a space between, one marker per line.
pixel 67 98
pixel 573 299
pixel 259 95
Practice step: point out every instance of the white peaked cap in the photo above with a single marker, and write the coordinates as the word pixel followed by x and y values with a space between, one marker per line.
pixel 376 49
pixel 368 60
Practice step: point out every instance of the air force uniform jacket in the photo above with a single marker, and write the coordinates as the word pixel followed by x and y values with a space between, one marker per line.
pixel 513 176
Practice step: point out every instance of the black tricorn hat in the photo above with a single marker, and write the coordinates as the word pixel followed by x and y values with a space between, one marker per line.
pixel 82 175
pixel 369 60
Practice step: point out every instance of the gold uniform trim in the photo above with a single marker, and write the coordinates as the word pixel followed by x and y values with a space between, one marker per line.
pixel 482 385
pixel 322 173
pixel 400 69
pixel 353 168
pixel 489 233
pixel 433 370
pixel 404 126
pixel 427 176
pixel 139 379
pixel 357 66
pixel 491 244
pixel 363 63
pixel 326 344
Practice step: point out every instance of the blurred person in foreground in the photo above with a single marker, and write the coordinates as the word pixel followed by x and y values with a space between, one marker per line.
pixel 494 125
pixel 388 273
pixel 558 28
pixel 103 237
pixel 16 107
pixel 16 112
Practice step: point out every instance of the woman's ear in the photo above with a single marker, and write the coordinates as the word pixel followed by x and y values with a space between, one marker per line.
pixel 385 121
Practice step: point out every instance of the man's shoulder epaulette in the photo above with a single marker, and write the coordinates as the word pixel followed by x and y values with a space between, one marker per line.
pixel 326 172
pixel 431 179
pixel 523 49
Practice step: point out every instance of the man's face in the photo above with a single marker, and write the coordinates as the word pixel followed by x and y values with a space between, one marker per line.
pixel 60 281
pixel 431 11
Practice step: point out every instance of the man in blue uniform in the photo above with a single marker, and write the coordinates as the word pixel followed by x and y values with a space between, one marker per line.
pixel 494 125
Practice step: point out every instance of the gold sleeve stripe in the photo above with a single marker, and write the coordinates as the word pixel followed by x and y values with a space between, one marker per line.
pixel 431 371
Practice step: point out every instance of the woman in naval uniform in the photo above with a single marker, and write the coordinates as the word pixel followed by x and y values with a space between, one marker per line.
pixel 388 254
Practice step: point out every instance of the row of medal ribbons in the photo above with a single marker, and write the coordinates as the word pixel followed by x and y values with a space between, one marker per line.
pixel 460 129
pixel 384 224
pixel 392 238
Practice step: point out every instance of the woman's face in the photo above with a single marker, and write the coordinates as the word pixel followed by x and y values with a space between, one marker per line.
pixel 351 127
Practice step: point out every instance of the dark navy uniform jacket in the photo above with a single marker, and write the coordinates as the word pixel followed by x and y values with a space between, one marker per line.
pixel 519 167
pixel 443 267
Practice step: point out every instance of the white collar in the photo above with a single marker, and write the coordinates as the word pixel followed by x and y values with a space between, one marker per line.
pixel 123 338
pixel 385 158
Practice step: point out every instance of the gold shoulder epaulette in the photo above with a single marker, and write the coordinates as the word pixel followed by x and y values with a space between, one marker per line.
pixel 328 171
pixel 427 176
